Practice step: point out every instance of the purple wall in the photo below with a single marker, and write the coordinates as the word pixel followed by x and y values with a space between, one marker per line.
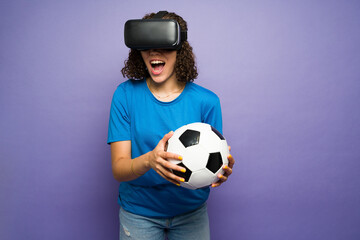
pixel 287 73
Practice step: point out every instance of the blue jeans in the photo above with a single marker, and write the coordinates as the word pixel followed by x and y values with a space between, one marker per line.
pixel 192 225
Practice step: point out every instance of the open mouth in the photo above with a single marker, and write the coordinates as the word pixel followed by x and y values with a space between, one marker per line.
pixel 157 66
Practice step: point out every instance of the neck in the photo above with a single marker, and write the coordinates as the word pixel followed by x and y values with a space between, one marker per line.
pixel 169 85
pixel 165 90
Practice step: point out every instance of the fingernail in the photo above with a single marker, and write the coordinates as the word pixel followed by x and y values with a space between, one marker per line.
pixel 220 176
pixel 180 158
pixel 170 132
pixel 178 184
pixel 213 185
pixel 183 170
pixel 182 180
pixel 225 167
pixel 229 156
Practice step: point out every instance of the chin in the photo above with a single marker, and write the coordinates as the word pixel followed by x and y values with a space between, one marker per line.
pixel 160 78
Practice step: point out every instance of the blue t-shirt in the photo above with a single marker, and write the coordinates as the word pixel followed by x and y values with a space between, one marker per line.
pixel 136 115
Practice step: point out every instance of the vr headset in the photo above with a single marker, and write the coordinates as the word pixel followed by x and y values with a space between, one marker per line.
pixel 155 33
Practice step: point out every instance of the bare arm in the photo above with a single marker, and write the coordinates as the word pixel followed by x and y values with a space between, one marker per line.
pixel 126 169
pixel 121 162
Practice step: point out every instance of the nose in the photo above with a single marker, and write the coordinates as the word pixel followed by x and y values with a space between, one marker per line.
pixel 155 51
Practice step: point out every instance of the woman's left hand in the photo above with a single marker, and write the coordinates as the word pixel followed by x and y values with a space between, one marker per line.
pixel 227 169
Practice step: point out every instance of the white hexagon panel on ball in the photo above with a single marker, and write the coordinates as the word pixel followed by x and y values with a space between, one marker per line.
pixel 202 178
pixel 195 158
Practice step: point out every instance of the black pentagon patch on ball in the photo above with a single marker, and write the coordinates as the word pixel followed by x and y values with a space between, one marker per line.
pixel 217 133
pixel 215 162
pixel 190 138
pixel 186 175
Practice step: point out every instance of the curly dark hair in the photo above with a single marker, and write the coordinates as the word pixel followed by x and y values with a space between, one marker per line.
pixel 185 66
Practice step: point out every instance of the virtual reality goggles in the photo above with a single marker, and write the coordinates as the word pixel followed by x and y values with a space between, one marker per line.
pixel 155 33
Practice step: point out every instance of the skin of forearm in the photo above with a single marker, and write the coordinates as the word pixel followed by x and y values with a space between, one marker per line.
pixel 122 171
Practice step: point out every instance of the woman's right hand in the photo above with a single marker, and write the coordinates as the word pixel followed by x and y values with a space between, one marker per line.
pixel 159 161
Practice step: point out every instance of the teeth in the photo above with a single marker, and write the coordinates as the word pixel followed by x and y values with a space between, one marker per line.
pixel 156 62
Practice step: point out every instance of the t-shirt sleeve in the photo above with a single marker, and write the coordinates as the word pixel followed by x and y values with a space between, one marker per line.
pixel 119 122
pixel 212 113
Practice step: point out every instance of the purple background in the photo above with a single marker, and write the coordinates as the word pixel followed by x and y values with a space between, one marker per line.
pixel 287 73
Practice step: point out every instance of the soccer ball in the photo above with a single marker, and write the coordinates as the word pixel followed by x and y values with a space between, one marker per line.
pixel 204 151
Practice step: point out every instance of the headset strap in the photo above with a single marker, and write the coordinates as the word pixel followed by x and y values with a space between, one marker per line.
pixel 183 35
pixel 160 14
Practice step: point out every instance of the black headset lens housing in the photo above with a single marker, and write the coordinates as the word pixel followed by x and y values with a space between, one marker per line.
pixel 155 33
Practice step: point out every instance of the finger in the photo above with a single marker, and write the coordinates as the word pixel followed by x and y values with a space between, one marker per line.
pixel 222 178
pixel 174 167
pixel 166 137
pixel 168 155
pixel 163 174
pixel 228 170
pixel 169 165
pixel 231 161
pixel 216 184
pixel 168 175
pixel 168 179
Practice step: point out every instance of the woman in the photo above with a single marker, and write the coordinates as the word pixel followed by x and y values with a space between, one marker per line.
pixel 143 114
